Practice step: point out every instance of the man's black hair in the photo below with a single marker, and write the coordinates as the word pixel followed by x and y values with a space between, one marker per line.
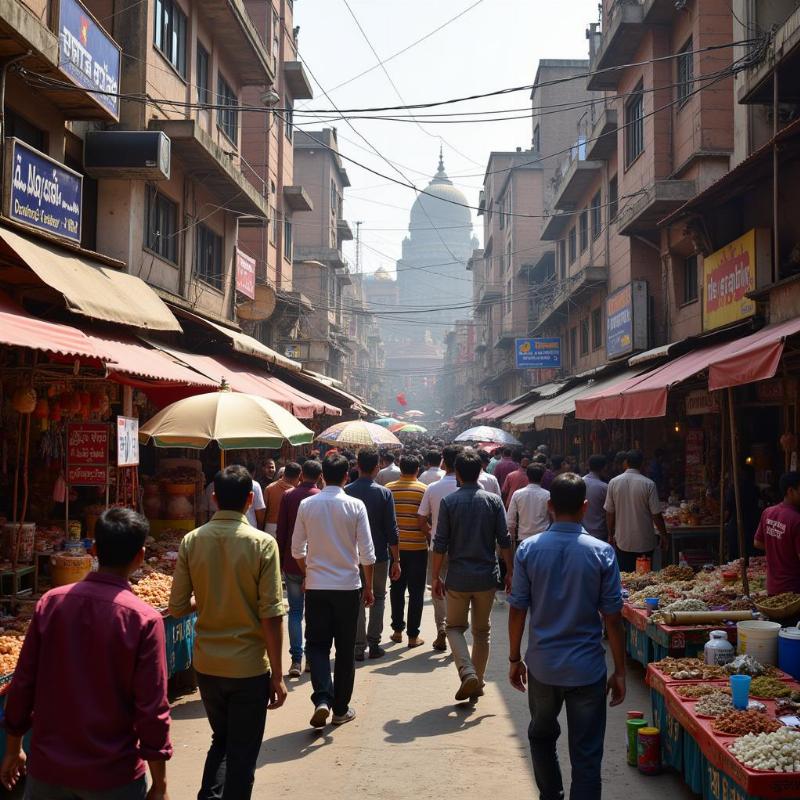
pixel 232 486
pixel 597 463
pixel 789 480
pixel 312 469
pixel 468 466
pixel 450 454
pixel 484 456
pixel 119 535
pixel 634 459
pixel 535 473
pixel 567 493
pixel 507 451
pixel 556 462
pixel 540 458
pixel 367 459
pixel 409 464
pixel 292 470
pixel 334 469
pixel 388 456
pixel 433 458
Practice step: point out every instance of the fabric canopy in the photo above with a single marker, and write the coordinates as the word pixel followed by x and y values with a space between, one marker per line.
pixel 498 412
pixel 93 289
pixel 21 329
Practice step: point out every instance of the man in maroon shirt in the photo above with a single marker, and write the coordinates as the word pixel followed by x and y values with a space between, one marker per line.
pixel 779 534
pixel 92 683
pixel 516 480
pixel 506 466
pixel 287 515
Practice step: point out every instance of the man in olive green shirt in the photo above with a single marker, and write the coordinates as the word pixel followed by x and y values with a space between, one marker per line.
pixel 233 570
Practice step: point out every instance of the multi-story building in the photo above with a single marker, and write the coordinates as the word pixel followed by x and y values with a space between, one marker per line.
pixel 363 366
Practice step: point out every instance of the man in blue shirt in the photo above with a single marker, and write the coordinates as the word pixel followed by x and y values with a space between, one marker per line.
pixel 567 579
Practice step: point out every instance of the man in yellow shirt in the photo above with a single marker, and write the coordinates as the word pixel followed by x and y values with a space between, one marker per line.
pixel 408 493
pixel 234 572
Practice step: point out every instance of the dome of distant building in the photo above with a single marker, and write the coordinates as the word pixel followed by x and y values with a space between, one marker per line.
pixel 429 210
pixel 381 274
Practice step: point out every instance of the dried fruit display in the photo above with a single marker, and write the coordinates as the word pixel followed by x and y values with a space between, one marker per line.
pixel 687 669
pixel 154 589
pixel 693 691
pixel 773 752
pixel 769 688
pixel 714 705
pixel 10 647
pixel 739 723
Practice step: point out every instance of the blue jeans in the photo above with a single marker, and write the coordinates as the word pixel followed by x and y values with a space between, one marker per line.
pixel 296 597
pixel 586 727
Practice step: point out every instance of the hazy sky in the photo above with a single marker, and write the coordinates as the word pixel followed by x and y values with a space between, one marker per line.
pixel 494 45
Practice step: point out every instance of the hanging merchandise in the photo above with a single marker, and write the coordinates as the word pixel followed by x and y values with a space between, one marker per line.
pixel 24 400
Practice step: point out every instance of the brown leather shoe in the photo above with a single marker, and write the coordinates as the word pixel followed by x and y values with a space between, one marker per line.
pixel 397 637
pixel 440 642
pixel 416 642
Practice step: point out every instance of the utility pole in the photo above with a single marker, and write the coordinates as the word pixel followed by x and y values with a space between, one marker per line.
pixel 358 246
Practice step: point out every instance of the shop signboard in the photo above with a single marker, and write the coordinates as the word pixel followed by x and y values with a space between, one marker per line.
pixel 42 193
pixel 728 275
pixel 701 401
pixel 694 469
pixel 773 391
pixel 87 55
pixel 626 320
pixel 245 274
pixel 87 454
pixel 127 441
pixel 538 353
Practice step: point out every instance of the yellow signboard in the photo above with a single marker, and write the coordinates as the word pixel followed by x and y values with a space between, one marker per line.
pixel 728 275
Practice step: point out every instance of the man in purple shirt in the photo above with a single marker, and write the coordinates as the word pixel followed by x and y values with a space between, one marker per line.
pixel 507 465
pixel 287 515
pixel 92 683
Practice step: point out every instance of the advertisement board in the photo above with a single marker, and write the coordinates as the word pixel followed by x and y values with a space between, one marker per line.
pixel 627 320
pixel 87 55
pixel 245 274
pixel 701 401
pixel 42 193
pixel 87 454
pixel 127 441
pixel 728 275
pixel 540 353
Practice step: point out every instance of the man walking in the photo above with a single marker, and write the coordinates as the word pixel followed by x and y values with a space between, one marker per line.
pixel 632 508
pixel 565 580
pixel 505 467
pixel 596 490
pixel 275 492
pixel 287 515
pixel 528 509
pixel 779 535
pixel 517 479
pixel 95 634
pixel 233 571
pixel 433 471
pixel 429 520
pixel 486 480
pixel 389 472
pixel 331 537
pixel 408 493
pixel 470 528
pixel 383 527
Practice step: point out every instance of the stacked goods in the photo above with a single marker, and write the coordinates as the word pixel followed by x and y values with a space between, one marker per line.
pixel 714 705
pixel 780 606
pixel 739 723
pixel 688 669
pixel 769 688
pixel 694 691
pixel 675 572
pixel 10 648
pixel 769 752
pixel 154 589
pixel 747 665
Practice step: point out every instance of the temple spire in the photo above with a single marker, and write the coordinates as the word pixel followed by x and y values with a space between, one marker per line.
pixel 441 175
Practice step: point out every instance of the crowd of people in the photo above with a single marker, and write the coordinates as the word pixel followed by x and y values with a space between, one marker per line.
pixel 334 533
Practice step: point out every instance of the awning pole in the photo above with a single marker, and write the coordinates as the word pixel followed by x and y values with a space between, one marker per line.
pixel 221 459
pixel 737 495
pixel 722 480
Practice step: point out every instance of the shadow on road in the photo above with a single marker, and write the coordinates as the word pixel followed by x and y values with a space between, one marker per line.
pixel 422 662
pixel 434 722
pixel 292 746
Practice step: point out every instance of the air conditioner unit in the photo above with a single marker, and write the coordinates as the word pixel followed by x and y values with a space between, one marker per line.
pixel 137 155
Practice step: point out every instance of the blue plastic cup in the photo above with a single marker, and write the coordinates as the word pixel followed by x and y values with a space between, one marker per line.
pixel 740 689
pixel 651 603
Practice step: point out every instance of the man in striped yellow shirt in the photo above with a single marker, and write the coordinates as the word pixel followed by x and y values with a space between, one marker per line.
pixel 408 493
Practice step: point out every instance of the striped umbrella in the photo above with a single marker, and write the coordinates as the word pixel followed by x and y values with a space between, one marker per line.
pixel 358 433
pixel 407 427
pixel 385 422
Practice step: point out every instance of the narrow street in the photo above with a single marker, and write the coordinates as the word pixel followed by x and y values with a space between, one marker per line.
pixel 411 740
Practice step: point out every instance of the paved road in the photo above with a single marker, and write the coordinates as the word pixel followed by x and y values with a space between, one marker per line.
pixel 411 741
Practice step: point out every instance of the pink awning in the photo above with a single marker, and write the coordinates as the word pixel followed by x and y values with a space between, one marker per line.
pixel 21 329
pixel 498 412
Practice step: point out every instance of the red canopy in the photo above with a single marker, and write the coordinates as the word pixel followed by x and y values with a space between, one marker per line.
pixel 498 412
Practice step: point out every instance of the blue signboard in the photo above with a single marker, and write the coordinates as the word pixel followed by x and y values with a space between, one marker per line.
pixel 87 55
pixel 538 353
pixel 42 193
pixel 619 322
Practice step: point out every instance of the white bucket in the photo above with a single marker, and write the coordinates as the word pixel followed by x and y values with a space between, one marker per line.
pixel 759 639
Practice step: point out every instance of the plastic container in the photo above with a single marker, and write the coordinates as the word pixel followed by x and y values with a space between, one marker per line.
pixel 66 569
pixel 718 649
pixel 789 651
pixel 759 639
pixel 633 725
pixel 643 565
pixel 27 541
pixel 651 603
pixel 649 751
pixel 740 691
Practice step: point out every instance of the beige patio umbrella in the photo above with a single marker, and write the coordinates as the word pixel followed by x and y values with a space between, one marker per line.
pixel 358 433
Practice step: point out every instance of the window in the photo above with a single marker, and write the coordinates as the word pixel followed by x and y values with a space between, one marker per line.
pixel 509 291
pixel 634 126
pixel 161 224
pixel 584 226
pixel 573 246
pixel 597 215
pixel 20 128
pixel 334 199
pixel 685 66
pixel 690 293
pixel 227 118
pixel 170 34
pixel 287 239
pixel 276 36
pixel 613 199
pixel 597 328
pixel 537 138
pixel 273 223
pixel 562 259
pixel 585 336
pixel 288 119
pixel 573 346
pixel 203 92
pixel 208 256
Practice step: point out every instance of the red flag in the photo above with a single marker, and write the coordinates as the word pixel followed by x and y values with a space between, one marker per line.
pixel 401 399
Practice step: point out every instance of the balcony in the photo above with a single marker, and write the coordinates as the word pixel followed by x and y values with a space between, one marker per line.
pixel 622 29
pixel 344 231
pixel 555 226
pixel 297 81
pixel 602 142
pixel 297 198
pixel 659 12
pixel 574 177
pixel 489 293
pixel 643 213
pixel 569 291
pixel 542 267
pixel 510 330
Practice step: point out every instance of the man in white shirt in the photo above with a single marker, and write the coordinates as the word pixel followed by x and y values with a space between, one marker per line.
pixel 433 473
pixel 256 514
pixel 486 481
pixel 390 472
pixel 429 519
pixel 528 513
pixel 331 538
pixel 632 509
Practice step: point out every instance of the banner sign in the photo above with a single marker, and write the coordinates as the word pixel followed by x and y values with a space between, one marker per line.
pixel 127 441
pixel 538 353
pixel 701 401
pixel 773 391
pixel 87 55
pixel 728 275
pixel 42 193
pixel 626 320
pixel 245 274
pixel 87 454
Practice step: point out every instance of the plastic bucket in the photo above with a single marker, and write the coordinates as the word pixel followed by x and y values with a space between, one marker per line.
pixel 66 569
pixel 758 639
pixel 789 651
